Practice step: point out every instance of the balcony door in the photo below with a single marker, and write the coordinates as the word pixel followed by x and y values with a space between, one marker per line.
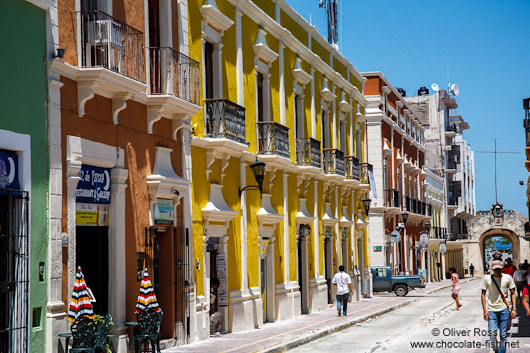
pixel 325 129
pixel 208 70
pixel 260 91
pixel 154 42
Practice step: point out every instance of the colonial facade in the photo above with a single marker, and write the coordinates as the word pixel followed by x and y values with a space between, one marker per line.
pixel 452 158
pixel 275 91
pixel 121 100
pixel 396 149
pixel 24 266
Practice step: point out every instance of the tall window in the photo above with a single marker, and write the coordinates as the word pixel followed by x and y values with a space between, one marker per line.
pixel 299 116
pixel 259 83
pixel 342 131
pixel 325 129
pixel 385 173
pixel 398 180
pixel 208 68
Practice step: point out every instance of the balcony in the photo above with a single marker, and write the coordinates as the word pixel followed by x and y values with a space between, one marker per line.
pixel 353 168
pixel 366 168
pixel 273 139
pixel 333 161
pixel 111 44
pixel 438 232
pixel 308 152
pixel 429 210
pixel 174 74
pixel 392 198
pixel 224 119
pixel 450 130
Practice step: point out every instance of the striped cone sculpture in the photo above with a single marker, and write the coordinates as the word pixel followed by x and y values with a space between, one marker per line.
pixel 146 297
pixel 80 304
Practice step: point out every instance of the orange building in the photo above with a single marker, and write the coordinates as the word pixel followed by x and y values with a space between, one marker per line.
pixel 120 106
pixel 396 149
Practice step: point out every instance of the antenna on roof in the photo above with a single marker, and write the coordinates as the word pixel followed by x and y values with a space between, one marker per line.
pixel 455 90
pixel 435 87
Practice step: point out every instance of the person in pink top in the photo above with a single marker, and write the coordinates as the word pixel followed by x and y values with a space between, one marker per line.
pixel 456 286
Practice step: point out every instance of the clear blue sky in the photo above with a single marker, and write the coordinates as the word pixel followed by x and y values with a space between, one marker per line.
pixel 489 58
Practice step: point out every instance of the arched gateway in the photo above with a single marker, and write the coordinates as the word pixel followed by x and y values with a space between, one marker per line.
pixel 492 224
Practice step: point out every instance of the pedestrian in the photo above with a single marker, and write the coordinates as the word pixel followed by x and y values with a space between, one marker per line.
pixel 526 264
pixel 509 268
pixel 472 270
pixel 456 286
pixel 519 277
pixel 344 287
pixel 496 308
pixel 526 296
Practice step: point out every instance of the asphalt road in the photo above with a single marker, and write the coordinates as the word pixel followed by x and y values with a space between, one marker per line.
pixel 431 320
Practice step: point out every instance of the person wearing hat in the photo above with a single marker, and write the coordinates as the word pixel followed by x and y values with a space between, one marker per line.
pixel 496 310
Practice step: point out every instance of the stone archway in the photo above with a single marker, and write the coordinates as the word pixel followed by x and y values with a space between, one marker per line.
pixel 516 243
pixel 507 223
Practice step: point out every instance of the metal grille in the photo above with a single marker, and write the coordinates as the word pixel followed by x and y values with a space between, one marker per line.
pixel 152 257
pixel 14 284
pixel 182 284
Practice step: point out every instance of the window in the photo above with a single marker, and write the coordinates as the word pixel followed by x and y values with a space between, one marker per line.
pixel 380 272
pixel 385 174
pixel 398 180
pixel 342 131
pixel 299 116
pixel 325 129
pixel 209 68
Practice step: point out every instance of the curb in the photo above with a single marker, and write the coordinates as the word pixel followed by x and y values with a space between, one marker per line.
pixel 293 343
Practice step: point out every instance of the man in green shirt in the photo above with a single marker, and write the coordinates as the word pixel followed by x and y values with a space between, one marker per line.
pixel 496 312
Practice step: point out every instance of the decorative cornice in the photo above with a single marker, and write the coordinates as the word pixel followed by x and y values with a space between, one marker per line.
pixel 299 74
pixel 213 17
pixel 262 50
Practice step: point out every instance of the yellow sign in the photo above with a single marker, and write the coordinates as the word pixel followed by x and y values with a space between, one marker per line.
pixel 91 214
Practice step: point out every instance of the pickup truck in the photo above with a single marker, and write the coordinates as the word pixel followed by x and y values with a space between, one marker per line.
pixel 383 281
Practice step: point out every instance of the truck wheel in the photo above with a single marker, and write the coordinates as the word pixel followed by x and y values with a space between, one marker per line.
pixel 401 290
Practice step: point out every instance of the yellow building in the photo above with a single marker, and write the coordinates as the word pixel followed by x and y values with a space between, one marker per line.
pixel 273 90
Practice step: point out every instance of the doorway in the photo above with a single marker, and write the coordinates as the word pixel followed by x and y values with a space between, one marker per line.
pixel 92 254
pixel 328 263
pixel 303 280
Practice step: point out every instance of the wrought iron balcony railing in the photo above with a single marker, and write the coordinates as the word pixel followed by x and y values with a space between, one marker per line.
pixel 273 138
pixel 224 119
pixel 174 74
pixel 308 152
pixel 439 232
pixel 365 169
pixel 407 203
pixel 353 168
pixel 109 43
pixel 392 198
pixel 333 161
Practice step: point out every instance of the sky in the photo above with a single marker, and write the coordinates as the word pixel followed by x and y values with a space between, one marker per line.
pixel 487 46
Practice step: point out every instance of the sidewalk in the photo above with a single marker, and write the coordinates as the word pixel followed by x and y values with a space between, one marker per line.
pixel 283 335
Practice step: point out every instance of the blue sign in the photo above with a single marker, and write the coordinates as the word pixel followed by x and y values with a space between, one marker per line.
pixel 93 185
pixel 9 170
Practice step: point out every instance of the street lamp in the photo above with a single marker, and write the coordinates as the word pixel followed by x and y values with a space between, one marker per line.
pixel 258 169
pixel 405 216
pixel 428 227
pixel 366 203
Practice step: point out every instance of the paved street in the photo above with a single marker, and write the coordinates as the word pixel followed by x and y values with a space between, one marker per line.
pixel 279 336
pixel 399 330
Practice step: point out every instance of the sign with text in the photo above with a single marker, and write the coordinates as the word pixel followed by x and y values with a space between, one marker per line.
pixel 9 170
pixel 91 214
pixel 164 211
pixel 93 185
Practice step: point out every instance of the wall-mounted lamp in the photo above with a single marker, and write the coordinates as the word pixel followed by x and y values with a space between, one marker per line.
pixel 405 216
pixel 258 169
pixel 366 203
pixel 60 53
pixel 428 227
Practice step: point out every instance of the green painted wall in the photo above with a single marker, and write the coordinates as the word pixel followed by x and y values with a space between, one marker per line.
pixel 23 100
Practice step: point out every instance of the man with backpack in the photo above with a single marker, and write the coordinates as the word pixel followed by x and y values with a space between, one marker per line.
pixel 496 309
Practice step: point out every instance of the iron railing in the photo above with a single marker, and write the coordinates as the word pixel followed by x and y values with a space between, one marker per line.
pixel 109 43
pixel 308 152
pixel 333 161
pixel 224 119
pixel 392 198
pixel 451 128
pixel 407 204
pixel 353 168
pixel 365 176
pixel 438 232
pixel 174 74
pixel 273 138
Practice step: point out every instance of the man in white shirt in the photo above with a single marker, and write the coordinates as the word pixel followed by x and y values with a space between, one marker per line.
pixel 519 277
pixel 496 312
pixel 344 287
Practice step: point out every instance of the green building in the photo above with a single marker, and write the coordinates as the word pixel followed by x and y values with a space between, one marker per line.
pixel 24 174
